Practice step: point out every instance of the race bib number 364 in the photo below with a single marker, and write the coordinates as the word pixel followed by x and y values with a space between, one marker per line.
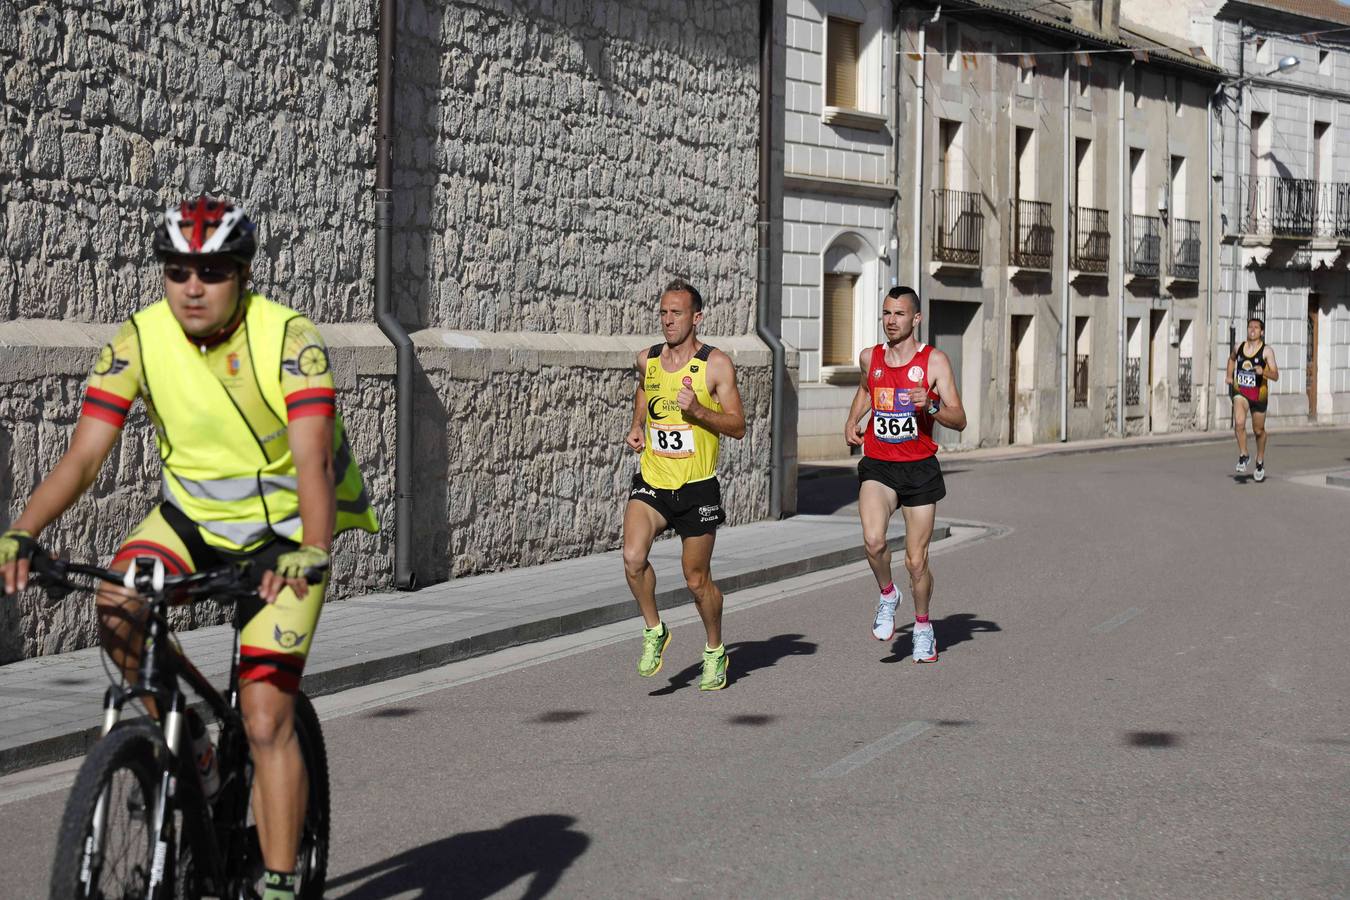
pixel 671 441
pixel 894 428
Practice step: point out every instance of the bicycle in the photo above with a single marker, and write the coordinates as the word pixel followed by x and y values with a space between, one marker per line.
pixel 138 824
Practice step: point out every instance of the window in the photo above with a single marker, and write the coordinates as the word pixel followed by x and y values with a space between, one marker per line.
pixel 1178 95
pixel 1321 161
pixel 1026 68
pixel 841 63
pixel 1138 85
pixel 1082 344
pixel 837 321
pixel 952 46
pixel 1256 306
pixel 1178 187
pixel 1323 61
pixel 1083 174
pixel 1025 170
pixel 1134 351
pixel 1263 50
pixel 1138 183
pixel 951 157
pixel 1185 360
pixel 1084 81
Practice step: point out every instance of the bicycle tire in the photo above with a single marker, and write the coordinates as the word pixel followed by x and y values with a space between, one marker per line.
pixel 315 837
pixel 133 748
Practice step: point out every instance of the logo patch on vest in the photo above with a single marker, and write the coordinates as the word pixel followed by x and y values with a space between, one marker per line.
pixel 916 373
pixel 287 639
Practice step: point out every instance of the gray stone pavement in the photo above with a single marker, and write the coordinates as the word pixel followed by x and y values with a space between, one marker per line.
pixel 50 706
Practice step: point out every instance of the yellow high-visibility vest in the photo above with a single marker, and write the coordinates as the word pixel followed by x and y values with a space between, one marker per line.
pixel 215 469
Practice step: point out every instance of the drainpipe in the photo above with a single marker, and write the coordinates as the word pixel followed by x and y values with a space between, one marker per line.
pixel 1123 204
pixel 1064 271
pixel 762 312
pixel 919 116
pixel 404 578
pixel 1237 183
pixel 1211 393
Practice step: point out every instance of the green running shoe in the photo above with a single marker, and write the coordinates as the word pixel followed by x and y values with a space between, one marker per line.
pixel 714 670
pixel 654 642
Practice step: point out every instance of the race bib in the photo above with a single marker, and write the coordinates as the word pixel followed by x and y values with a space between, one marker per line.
pixel 1246 379
pixel 671 441
pixel 894 428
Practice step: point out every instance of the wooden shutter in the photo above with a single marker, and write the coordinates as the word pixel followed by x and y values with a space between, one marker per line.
pixel 841 63
pixel 837 321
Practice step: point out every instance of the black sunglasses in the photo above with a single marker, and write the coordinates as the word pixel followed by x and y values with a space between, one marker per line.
pixel 207 272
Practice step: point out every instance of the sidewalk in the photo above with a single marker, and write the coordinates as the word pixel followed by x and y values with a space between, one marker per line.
pixel 50 706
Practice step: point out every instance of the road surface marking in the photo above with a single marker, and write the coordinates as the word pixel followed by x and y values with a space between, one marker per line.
pixel 864 755
pixel 1116 621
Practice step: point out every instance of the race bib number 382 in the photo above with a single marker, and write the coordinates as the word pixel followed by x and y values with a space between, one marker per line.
pixel 894 428
pixel 671 441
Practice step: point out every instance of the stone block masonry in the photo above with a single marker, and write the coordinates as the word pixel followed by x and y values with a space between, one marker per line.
pixel 555 164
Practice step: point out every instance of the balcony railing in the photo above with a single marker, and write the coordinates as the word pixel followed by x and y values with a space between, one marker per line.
pixel 1033 237
pixel 1143 243
pixel 1132 381
pixel 1185 261
pixel 1184 370
pixel 958 227
pixel 1092 240
pixel 1080 379
pixel 1281 207
pixel 1333 211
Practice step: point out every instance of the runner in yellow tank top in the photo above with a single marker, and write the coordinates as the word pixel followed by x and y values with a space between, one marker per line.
pixel 686 399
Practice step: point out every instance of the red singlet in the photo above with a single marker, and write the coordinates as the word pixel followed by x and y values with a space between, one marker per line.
pixel 901 429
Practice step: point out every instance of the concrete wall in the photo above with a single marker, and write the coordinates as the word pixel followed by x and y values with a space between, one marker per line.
pixel 554 165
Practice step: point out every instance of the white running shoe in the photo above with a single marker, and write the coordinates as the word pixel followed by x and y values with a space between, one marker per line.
pixel 883 626
pixel 1241 467
pixel 925 644
pixel 1260 471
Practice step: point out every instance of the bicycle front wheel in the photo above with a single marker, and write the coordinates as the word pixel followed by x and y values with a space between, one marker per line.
pixel 106 844
pixel 312 863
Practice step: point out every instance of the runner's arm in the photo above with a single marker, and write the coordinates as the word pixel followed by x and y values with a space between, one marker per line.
pixel 722 386
pixel 951 414
pixel 1232 365
pixel 1270 370
pixel 635 439
pixel 853 433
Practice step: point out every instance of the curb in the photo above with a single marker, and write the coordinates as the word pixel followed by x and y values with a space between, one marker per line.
pixel 383 668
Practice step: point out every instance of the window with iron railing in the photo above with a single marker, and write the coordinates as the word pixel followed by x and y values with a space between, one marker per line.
pixel 1033 237
pixel 1285 207
pixel 1184 370
pixel 958 227
pixel 1132 381
pixel 1092 240
pixel 1143 245
pixel 1080 379
pixel 1185 249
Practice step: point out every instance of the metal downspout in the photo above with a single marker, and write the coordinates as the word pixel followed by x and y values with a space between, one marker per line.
pixel 1123 169
pixel 1064 271
pixel 404 578
pixel 1237 184
pixel 919 116
pixel 1211 388
pixel 762 311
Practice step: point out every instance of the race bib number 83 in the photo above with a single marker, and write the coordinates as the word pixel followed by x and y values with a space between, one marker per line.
pixel 671 441
pixel 894 428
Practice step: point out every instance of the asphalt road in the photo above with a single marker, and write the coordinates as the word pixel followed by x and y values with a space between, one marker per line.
pixel 1142 692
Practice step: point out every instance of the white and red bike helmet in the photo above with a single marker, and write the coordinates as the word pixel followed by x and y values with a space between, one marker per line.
pixel 235 236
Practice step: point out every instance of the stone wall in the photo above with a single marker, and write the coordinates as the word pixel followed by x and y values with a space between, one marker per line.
pixel 555 163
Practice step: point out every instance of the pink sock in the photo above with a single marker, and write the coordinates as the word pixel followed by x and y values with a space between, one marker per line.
pixel 920 620
pixel 889 589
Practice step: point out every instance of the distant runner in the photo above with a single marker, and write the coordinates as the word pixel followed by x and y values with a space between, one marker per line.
pixel 1250 367
pixel 908 386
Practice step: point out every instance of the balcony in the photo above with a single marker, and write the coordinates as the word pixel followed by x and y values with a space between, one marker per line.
pixel 958 227
pixel 1185 261
pixel 1279 207
pixel 1033 237
pixel 1143 245
pixel 1092 240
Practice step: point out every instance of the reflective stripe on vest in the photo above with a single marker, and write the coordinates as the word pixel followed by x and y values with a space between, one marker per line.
pixel 215 469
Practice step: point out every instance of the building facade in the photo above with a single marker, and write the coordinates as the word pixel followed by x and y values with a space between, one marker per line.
pixel 1044 187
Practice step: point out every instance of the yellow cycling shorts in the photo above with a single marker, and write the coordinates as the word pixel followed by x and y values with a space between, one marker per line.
pixel 276 637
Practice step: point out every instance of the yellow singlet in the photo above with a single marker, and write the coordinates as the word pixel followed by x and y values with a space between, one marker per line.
pixel 677 452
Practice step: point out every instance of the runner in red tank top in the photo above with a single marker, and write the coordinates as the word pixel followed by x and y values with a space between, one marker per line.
pixel 908 386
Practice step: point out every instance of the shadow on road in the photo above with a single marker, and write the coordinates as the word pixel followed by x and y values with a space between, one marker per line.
pixel 476 864
pixel 955 629
pixel 746 657
pixel 826 490
pixel 1151 739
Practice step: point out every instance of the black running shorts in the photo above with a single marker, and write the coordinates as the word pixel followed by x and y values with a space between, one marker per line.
pixel 1256 406
pixel 917 483
pixel 692 510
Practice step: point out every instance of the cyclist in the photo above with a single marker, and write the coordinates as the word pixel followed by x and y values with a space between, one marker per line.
pixel 256 466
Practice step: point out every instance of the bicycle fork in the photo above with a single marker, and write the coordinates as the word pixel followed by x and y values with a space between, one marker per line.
pixel 91 860
pixel 164 830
